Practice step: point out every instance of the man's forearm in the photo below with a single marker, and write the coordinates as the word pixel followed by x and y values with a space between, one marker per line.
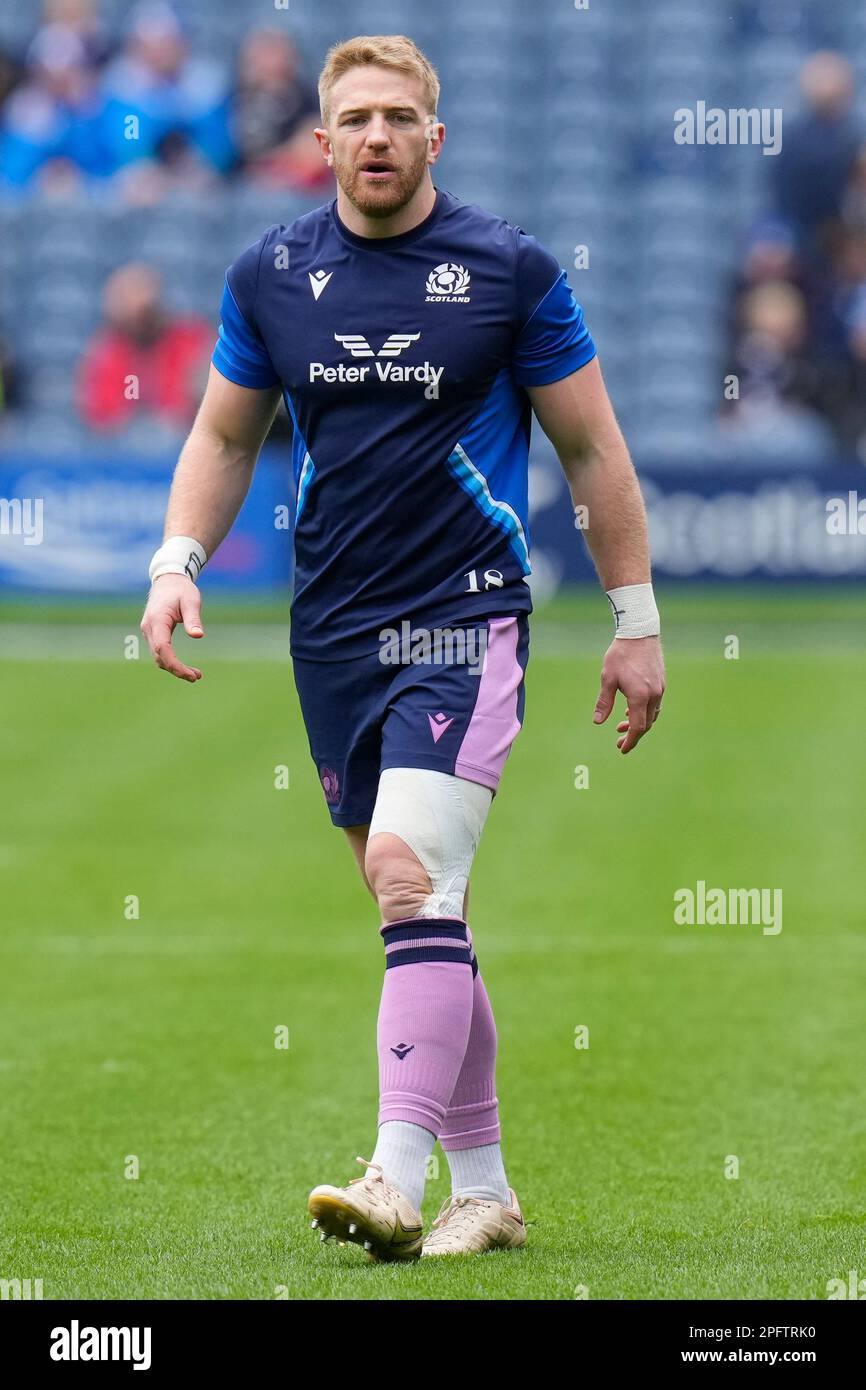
pixel 211 480
pixel 577 417
pixel 603 482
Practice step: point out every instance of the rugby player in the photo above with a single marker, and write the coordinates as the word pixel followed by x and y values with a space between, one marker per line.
pixel 412 336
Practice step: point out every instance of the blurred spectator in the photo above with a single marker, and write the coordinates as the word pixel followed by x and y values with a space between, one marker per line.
pixel 795 343
pixel 843 346
pixel 853 422
pixel 854 199
pixel 818 150
pixel 176 165
pixel 769 354
pixel 799 319
pixel 9 75
pixel 143 359
pixel 10 381
pixel 780 383
pixel 57 113
pixel 155 89
pixel 82 18
pixel 771 254
pixel 274 114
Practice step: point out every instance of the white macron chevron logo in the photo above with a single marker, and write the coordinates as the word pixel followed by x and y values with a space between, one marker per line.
pixel 318 281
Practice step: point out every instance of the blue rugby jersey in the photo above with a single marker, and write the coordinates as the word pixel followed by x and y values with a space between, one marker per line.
pixel 402 361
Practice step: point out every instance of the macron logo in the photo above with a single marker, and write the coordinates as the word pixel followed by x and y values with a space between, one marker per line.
pixel 439 725
pixel 318 281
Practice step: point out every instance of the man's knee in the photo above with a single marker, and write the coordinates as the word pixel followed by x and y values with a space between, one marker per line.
pixel 396 876
pixel 423 836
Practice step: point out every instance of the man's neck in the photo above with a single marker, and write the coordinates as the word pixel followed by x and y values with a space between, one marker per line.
pixel 419 206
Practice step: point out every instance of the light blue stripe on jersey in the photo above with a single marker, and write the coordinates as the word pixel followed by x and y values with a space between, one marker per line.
pixel 240 354
pixel 303 468
pixel 308 471
pixel 501 514
pixel 489 462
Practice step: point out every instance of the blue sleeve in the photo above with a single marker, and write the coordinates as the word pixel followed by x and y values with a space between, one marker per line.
pixel 552 340
pixel 240 353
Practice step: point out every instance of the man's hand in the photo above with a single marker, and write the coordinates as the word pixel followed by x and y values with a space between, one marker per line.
pixel 173 599
pixel 635 666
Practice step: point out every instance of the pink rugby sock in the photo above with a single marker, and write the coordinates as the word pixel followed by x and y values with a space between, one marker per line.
pixel 424 1018
pixel 472 1118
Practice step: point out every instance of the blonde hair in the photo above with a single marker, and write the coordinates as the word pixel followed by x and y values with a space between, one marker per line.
pixel 386 51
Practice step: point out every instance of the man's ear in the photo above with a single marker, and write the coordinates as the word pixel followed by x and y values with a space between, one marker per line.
pixel 324 142
pixel 434 130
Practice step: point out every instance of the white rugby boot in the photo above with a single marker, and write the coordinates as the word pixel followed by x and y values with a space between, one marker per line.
pixel 471 1225
pixel 370 1212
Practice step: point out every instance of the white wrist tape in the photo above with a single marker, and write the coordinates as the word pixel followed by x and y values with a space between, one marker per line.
pixel 178 555
pixel 634 611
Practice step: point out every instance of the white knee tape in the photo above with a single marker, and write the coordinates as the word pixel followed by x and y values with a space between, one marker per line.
pixel 440 818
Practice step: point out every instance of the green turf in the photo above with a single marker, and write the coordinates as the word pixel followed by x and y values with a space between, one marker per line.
pixel 154 1037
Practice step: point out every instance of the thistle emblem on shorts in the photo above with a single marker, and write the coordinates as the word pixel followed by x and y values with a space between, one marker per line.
pixel 330 785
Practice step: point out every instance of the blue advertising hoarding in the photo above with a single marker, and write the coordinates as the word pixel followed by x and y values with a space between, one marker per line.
pixel 91 526
pixel 747 526
pixel 85 525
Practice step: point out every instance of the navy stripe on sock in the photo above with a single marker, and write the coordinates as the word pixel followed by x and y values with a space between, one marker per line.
pixel 417 954
pixel 424 926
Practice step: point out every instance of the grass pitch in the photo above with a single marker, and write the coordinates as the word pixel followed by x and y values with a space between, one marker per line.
pixel 145 1043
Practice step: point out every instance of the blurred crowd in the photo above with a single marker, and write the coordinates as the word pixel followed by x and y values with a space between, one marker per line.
pixel 133 116
pixel 136 115
pixel 141 110
pixel 798 330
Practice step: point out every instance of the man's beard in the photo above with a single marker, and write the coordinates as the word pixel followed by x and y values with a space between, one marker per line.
pixel 385 199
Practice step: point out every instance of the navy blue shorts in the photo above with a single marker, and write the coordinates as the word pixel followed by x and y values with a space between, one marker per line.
pixel 425 708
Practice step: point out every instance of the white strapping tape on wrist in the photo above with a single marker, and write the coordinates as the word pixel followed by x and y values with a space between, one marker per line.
pixel 179 555
pixel 634 611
